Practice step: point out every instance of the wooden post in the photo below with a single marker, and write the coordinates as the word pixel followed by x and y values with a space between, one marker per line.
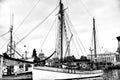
pixel 24 66
pixel 1 67
pixel 91 53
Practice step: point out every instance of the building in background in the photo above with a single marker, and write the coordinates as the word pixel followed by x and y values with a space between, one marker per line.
pixel 118 49
pixel 112 57
pixel 41 55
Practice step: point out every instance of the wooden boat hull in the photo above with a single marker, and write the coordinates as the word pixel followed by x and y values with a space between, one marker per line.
pixel 21 76
pixel 40 73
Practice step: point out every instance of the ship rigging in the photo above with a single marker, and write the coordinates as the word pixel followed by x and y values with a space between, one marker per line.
pixel 63 62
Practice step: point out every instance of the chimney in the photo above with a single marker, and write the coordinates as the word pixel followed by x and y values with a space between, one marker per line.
pixel 118 49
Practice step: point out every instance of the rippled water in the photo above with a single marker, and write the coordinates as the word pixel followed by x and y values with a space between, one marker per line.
pixel 108 75
pixel 112 75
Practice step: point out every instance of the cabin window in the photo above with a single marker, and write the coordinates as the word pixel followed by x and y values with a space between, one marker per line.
pixel 28 65
pixel 20 66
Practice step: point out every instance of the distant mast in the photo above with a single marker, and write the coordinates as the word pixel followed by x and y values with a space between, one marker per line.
pixel 94 34
pixel 61 17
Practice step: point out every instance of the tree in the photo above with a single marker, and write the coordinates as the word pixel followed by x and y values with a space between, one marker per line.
pixel 83 58
pixel 36 59
pixel 34 53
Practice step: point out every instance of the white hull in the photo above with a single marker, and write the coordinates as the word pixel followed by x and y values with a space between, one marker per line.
pixel 39 74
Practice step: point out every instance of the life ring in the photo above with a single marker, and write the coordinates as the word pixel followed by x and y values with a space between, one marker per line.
pixel 84 66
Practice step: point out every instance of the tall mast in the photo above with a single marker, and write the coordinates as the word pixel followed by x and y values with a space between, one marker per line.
pixel 61 12
pixel 10 69
pixel 94 33
pixel 11 37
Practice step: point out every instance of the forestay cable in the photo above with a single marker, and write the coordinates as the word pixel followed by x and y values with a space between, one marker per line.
pixel 74 31
pixel 87 10
pixel 4 34
pixel 4 44
pixel 27 15
pixel 48 33
pixel 36 26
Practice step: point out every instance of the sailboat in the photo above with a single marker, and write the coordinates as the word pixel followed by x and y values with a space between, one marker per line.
pixel 60 71
pixel 60 68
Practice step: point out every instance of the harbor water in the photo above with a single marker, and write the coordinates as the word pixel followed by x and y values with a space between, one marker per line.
pixel 108 75
pixel 111 75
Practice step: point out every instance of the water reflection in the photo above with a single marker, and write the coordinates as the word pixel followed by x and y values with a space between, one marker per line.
pixel 112 75
pixel 108 75
pixel 98 78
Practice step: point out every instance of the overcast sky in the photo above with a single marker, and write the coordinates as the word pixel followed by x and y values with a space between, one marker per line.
pixel 106 13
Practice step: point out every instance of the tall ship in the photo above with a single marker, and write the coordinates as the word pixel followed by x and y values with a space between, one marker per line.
pixel 60 64
pixel 64 65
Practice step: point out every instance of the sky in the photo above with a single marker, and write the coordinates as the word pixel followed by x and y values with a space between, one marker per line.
pixel 81 12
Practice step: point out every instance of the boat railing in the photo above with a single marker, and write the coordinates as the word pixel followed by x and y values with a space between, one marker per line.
pixel 67 70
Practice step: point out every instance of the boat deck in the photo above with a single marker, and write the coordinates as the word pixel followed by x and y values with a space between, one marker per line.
pixel 72 71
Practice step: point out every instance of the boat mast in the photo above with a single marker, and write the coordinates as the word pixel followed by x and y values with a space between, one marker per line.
pixel 94 33
pixel 11 68
pixel 11 37
pixel 11 29
pixel 61 12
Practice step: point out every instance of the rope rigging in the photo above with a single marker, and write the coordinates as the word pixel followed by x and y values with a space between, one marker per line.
pixel 5 41
pixel 76 36
pixel 16 52
pixel 97 42
pixel 27 15
pixel 87 10
pixel 48 33
pixel 16 49
pixel 67 41
pixel 91 45
pixel 36 26
pixel 68 45
pixel 57 44
pixel 67 20
pixel 67 26
pixel 4 34
pixel 76 47
pixel 4 44
pixel 18 38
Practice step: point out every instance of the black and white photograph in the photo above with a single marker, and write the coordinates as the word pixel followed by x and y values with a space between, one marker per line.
pixel 59 40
